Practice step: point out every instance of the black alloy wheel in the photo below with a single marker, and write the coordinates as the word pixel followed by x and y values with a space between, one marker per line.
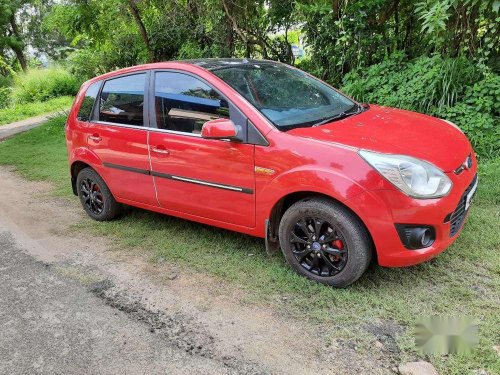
pixel 318 246
pixel 92 196
pixel 95 196
pixel 324 241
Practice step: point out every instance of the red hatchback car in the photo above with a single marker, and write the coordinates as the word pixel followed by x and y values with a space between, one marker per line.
pixel 265 149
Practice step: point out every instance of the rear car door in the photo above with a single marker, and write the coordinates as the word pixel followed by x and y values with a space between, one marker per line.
pixel 203 177
pixel 118 136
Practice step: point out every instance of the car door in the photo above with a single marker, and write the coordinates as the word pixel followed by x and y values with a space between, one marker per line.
pixel 118 136
pixel 203 177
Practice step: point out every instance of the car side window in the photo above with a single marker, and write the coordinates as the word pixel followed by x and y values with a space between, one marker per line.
pixel 85 111
pixel 184 103
pixel 122 100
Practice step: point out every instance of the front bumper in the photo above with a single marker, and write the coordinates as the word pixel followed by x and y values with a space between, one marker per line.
pixel 380 210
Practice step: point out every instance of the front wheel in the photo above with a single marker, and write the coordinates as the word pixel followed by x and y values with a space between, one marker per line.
pixel 95 196
pixel 324 241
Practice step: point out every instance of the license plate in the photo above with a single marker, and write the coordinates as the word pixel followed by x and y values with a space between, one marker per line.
pixel 469 197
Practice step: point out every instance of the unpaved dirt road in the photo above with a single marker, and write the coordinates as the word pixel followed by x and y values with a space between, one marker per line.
pixel 73 303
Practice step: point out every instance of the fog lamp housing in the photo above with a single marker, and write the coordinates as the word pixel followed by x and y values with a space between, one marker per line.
pixel 416 237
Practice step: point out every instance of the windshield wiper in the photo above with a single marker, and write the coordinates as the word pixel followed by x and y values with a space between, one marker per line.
pixel 339 116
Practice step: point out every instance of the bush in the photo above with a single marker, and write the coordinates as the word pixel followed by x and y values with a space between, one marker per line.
pixel 449 88
pixel 423 84
pixel 86 63
pixel 5 96
pixel 43 84
pixel 5 81
pixel 478 115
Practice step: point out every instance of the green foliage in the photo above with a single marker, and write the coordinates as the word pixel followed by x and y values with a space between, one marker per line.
pixel 5 96
pixel 190 50
pixel 43 84
pixel 87 63
pixel 449 88
pixel 478 115
pixel 422 84
pixel 6 72
pixel 15 112
pixel 460 27
pixel 6 81
pixel 434 15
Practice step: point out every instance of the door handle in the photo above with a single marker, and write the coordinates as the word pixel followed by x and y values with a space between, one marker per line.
pixel 95 138
pixel 160 150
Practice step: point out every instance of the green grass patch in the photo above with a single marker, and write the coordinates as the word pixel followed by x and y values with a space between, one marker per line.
pixel 19 112
pixel 464 280
pixel 40 155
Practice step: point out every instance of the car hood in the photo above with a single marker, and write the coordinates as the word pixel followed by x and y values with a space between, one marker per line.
pixel 395 131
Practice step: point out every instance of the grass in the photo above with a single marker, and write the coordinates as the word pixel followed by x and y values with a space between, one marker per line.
pixel 22 111
pixel 464 280
pixel 38 85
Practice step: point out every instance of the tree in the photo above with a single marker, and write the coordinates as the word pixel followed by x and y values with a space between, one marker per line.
pixel 10 32
pixel 340 35
pixel 134 10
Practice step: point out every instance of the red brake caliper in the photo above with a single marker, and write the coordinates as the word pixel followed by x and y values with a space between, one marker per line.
pixel 338 244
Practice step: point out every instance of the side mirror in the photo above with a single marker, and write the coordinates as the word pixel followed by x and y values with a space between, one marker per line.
pixel 221 128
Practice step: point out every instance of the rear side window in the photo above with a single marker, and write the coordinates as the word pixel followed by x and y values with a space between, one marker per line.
pixel 122 100
pixel 85 112
pixel 184 103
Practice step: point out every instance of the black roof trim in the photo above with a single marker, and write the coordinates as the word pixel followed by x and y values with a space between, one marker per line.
pixel 214 64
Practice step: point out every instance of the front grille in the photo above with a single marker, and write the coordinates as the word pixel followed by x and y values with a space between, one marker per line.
pixel 457 217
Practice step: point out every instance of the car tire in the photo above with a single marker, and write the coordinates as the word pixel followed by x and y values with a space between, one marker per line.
pixel 95 196
pixel 345 246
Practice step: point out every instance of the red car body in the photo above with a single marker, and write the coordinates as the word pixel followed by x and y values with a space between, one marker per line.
pixel 258 179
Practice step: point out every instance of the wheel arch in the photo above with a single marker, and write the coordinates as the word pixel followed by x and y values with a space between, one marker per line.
pixel 285 202
pixel 82 158
pixel 75 169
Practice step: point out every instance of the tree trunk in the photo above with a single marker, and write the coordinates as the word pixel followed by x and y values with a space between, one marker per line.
pixel 396 29
pixel 18 46
pixel 289 57
pixel 20 57
pixel 142 29
pixel 240 33
pixel 407 41
pixel 229 38
pixel 336 4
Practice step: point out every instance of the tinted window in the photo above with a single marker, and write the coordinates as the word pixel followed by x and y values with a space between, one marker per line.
pixel 85 112
pixel 288 97
pixel 122 100
pixel 184 103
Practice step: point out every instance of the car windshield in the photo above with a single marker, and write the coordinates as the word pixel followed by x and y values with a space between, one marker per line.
pixel 288 97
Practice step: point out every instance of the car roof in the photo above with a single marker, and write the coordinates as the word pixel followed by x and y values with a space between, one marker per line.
pixel 209 64
pixel 214 63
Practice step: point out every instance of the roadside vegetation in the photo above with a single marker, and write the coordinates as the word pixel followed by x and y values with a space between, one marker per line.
pixel 35 92
pixel 464 280
pixel 19 112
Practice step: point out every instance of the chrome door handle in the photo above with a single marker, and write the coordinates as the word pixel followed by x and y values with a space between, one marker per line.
pixel 159 150
pixel 95 138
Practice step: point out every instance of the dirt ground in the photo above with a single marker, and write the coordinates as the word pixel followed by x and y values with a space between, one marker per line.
pixel 200 321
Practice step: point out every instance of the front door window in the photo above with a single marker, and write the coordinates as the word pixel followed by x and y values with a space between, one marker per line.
pixel 184 103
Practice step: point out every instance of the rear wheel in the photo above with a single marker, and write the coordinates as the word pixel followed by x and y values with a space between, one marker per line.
pixel 95 196
pixel 323 241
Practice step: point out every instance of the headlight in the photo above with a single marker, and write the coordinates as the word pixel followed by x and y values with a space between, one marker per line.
pixel 414 177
